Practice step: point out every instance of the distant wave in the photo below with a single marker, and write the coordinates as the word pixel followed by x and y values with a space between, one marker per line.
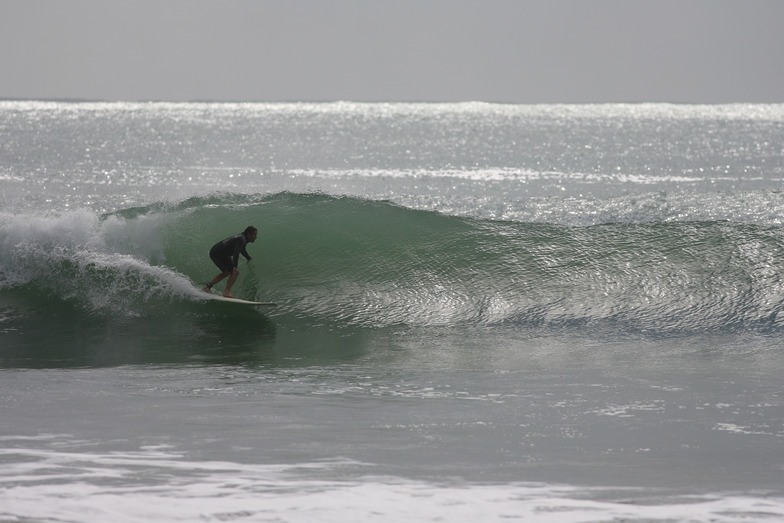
pixel 734 111
pixel 363 263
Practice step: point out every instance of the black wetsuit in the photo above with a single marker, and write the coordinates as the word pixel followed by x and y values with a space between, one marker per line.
pixel 226 253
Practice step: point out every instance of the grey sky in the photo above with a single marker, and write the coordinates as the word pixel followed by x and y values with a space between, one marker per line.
pixel 698 51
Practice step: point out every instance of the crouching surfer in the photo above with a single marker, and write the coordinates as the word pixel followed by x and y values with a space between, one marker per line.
pixel 226 255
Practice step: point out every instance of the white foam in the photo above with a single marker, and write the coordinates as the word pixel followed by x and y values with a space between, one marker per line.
pixel 102 263
pixel 158 484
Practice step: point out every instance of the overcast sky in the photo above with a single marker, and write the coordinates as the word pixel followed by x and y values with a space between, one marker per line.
pixel 528 51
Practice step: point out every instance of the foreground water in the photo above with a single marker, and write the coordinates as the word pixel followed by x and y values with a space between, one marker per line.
pixel 554 313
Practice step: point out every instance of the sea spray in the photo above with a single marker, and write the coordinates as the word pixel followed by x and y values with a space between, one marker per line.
pixel 104 265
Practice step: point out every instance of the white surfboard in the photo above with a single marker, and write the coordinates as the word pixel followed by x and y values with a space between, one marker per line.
pixel 218 297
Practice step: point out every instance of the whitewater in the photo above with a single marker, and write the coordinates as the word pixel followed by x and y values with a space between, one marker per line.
pixel 569 313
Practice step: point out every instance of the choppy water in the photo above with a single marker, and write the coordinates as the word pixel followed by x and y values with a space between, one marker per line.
pixel 559 313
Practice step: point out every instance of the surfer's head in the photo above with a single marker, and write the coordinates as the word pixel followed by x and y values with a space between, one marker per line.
pixel 251 233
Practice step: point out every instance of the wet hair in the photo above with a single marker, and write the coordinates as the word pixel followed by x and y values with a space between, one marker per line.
pixel 250 229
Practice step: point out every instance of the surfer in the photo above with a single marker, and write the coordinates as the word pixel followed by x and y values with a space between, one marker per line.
pixel 226 255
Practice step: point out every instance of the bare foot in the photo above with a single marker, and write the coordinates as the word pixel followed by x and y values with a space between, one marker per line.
pixel 227 295
pixel 207 290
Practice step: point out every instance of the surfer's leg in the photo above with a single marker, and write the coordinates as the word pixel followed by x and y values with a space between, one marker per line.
pixel 232 279
pixel 224 264
pixel 216 279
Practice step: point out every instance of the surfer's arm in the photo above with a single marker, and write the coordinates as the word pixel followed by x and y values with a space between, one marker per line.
pixel 240 249
pixel 236 256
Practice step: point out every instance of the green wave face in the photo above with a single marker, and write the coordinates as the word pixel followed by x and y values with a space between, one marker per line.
pixel 352 265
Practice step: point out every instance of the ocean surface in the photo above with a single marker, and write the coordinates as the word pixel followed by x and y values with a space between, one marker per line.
pixel 486 312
